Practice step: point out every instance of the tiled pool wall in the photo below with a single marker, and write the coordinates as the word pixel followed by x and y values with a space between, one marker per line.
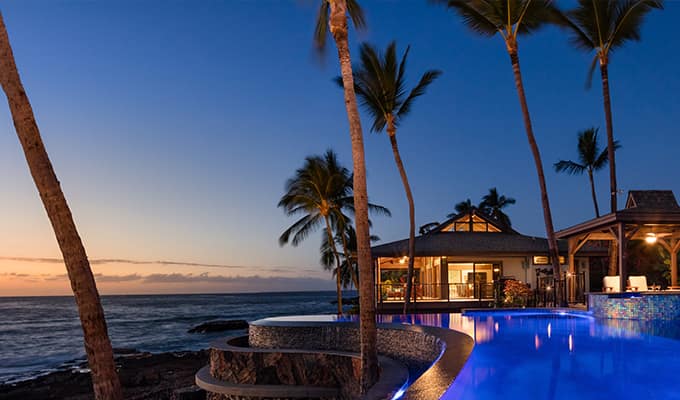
pixel 638 306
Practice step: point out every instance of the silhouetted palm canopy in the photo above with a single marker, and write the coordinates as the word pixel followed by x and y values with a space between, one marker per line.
pixel 509 18
pixel 606 25
pixel 321 31
pixel 321 188
pixel 591 159
pixel 348 264
pixel 427 228
pixel 589 155
pixel 381 85
pixel 493 204
pixel 463 207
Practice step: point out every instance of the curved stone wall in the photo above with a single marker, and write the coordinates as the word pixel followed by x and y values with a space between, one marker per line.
pixel 436 355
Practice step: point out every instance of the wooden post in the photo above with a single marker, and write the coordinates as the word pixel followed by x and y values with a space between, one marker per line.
pixel 621 239
pixel 675 246
pixel 571 250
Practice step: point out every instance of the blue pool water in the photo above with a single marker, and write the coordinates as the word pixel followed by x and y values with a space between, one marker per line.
pixel 554 357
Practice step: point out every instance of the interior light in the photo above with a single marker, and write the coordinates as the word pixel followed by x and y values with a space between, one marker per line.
pixel 650 238
pixel 496 270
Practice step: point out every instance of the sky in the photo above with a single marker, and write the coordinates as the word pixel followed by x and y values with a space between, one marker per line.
pixel 174 125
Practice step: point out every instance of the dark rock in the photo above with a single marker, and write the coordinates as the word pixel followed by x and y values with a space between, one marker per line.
pixel 189 393
pixel 142 375
pixel 220 326
pixel 349 300
pixel 124 351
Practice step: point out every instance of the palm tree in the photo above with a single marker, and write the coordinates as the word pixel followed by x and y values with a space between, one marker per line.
pixel 427 228
pixel 381 85
pixel 320 191
pixel 332 18
pixel 463 207
pixel 602 27
pixel 591 159
pixel 97 344
pixel 510 19
pixel 493 204
pixel 348 239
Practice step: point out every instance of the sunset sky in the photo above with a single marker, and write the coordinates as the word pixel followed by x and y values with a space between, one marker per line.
pixel 173 127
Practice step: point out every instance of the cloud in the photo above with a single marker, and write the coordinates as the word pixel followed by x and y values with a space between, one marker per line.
pixel 199 282
pixel 102 261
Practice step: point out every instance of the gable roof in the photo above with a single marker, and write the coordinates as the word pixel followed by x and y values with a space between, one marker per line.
pixel 476 213
pixel 652 199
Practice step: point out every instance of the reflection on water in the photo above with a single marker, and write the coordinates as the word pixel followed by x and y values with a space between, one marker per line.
pixel 560 357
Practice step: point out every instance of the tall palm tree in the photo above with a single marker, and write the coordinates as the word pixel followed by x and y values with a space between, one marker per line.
pixel 380 83
pixel 463 207
pixel 97 344
pixel 590 158
pixel 493 205
pixel 602 27
pixel 510 19
pixel 332 18
pixel 320 190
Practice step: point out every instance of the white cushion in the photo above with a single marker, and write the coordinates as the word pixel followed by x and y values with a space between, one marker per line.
pixel 639 282
pixel 611 283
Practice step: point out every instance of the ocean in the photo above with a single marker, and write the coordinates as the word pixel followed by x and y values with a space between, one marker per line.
pixel 41 334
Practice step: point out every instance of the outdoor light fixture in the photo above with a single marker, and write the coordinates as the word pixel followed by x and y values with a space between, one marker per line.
pixel 402 260
pixel 650 238
pixel 496 270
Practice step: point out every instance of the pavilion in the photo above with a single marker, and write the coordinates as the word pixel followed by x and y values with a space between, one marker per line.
pixel 650 215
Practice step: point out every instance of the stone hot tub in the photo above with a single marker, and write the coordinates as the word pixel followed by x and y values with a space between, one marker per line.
pixel 646 306
pixel 318 358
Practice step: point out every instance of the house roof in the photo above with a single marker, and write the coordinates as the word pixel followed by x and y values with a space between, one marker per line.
pixel 652 199
pixel 643 207
pixel 469 244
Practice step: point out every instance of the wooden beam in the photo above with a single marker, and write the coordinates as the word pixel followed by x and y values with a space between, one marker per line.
pixel 580 243
pixel 632 233
pixel 665 244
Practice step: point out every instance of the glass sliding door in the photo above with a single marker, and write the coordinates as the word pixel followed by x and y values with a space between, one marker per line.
pixel 472 280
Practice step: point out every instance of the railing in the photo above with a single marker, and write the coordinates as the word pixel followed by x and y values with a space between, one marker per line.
pixel 568 289
pixel 395 292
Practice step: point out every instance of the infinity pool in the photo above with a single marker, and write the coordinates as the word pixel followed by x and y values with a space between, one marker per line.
pixel 556 356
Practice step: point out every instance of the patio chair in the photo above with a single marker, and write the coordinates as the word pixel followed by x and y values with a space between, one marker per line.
pixel 637 283
pixel 611 283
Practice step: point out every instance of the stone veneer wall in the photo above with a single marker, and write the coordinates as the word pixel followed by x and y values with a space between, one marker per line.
pixel 413 347
pixel 285 368
pixel 638 306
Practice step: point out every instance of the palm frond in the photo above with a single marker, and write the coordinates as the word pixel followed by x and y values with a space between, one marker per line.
pixel 356 13
pixel 474 18
pixel 629 17
pixel 569 167
pixel 603 157
pixel 425 81
pixel 321 29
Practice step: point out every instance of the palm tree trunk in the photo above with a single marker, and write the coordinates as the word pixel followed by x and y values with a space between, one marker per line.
pixel 592 192
pixel 97 345
pixel 338 271
pixel 604 71
pixel 367 323
pixel 547 216
pixel 392 133
pixel 348 258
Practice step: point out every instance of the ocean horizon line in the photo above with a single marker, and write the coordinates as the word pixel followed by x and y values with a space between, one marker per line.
pixel 187 294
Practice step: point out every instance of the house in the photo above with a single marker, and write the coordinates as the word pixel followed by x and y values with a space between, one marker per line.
pixel 460 262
